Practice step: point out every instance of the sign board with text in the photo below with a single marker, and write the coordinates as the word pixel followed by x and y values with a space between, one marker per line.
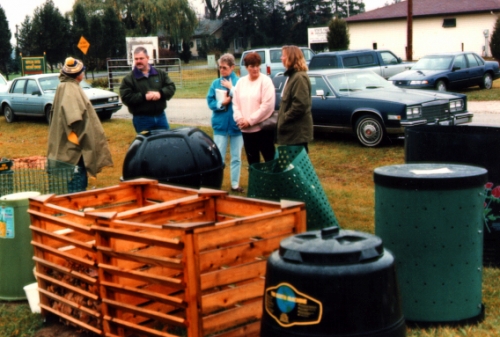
pixel 33 65
pixel 317 35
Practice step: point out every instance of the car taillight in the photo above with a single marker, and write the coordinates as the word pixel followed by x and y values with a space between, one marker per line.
pixel 268 68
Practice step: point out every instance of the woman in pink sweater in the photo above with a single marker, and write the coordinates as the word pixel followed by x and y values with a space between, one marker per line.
pixel 253 102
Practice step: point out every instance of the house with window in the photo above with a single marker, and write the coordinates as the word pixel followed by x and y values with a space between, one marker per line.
pixel 213 28
pixel 438 26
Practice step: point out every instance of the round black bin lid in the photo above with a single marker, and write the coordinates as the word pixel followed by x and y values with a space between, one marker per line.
pixel 331 246
pixel 430 176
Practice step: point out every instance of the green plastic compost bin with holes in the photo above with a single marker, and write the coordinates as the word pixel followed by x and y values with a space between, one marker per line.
pixel 291 176
pixel 16 252
pixel 430 217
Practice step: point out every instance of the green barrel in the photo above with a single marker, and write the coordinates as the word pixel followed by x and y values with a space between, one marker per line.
pixel 16 252
pixel 430 216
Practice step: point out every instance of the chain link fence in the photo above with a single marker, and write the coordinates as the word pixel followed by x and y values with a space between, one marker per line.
pixel 197 76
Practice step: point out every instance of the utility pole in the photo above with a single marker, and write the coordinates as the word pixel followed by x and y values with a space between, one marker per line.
pixel 409 32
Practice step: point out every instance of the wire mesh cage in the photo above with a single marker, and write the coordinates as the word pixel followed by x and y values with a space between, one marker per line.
pixel 292 176
pixel 41 175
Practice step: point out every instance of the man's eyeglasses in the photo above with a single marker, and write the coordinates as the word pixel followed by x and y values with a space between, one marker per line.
pixel 224 67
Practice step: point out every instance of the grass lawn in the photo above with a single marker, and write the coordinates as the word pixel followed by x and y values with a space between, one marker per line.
pixel 344 168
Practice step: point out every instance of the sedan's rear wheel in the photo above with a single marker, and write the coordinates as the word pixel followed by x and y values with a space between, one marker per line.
pixel 487 82
pixel 369 130
pixel 48 115
pixel 441 85
pixel 9 114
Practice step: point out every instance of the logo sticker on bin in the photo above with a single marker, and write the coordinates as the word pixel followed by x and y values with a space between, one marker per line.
pixel 7 222
pixel 290 307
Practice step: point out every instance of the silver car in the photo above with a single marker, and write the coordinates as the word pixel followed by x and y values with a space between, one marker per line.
pixel 33 96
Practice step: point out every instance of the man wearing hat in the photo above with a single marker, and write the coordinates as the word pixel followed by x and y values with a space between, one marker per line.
pixel 76 135
pixel 145 91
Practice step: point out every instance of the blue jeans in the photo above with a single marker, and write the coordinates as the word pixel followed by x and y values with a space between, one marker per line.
pixel 236 144
pixel 148 123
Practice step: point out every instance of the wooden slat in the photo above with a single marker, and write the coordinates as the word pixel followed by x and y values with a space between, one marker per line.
pixel 63 239
pixel 146 259
pixel 64 270
pixel 70 303
pixel 238 254
pixel 97 198
pixel 167 205
pixel 229 297
pixel 72 319
pixel 138 328
pixel 64 255
pixel 169 242
pixel 226 319
pixel 153 314
pixel 233 275
pixel 154 296
pixel 243 207
pixel 67 286
pixel 245 229
pixel 60 221
pixel 169 281
pixel 249 330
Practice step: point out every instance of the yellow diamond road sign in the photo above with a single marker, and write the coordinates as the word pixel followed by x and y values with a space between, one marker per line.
pixel 83 45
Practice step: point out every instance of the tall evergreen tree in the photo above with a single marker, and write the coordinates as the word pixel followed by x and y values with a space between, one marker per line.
pixel 113 45
pixel 5 46
pixel 305 14
pixel 338 35
pixel 95 38
pixel 79 28
pixel 273 27
pixel 26 37
pixel 50 29
pixel 495 41
pixel 240 22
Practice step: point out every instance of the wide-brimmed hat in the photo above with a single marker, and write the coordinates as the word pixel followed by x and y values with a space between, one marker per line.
pixel 73 67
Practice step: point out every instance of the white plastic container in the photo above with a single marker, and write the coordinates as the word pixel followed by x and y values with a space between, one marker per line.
pixel 31 291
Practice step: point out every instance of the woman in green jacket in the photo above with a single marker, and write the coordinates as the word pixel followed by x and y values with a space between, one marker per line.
pixel 295 125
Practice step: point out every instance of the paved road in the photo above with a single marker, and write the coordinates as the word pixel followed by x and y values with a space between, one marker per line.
pixel 194 111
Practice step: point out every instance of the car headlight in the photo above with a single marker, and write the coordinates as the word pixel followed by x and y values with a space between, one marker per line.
pixel 457 105
pixel 419 82
pixel 413 112
pixel 113 99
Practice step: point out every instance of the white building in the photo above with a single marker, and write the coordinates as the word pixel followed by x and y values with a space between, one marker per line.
pixel 438 26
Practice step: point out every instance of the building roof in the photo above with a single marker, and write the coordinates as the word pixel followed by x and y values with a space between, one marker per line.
pixel 423 8
pixel 208 27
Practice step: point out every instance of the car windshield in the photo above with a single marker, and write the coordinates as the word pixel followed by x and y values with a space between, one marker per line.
pixel 2 80
pixel 357 81
pixel 51 83
pixel 433 63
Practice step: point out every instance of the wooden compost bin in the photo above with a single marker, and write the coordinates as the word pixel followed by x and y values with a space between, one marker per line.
pixel 195 268
pixel 64 244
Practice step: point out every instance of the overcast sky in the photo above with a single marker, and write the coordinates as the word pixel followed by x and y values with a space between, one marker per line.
pixel 16 10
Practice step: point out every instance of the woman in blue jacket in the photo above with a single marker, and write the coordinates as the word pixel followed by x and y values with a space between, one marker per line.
pixel 219 99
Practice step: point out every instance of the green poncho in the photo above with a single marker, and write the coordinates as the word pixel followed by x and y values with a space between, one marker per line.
pixel 72 111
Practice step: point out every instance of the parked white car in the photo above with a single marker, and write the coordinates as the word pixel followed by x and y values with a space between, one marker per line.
pixel 271 60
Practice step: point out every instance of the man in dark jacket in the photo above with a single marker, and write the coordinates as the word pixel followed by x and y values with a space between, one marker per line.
pixel 145 91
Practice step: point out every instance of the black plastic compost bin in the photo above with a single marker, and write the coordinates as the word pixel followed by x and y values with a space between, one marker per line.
pixel 464 144
pixel 430 217
pixel 184 156
pixel 332 282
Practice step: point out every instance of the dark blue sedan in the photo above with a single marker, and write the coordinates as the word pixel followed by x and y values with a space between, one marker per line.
pixel 364 103
pixel 448 71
